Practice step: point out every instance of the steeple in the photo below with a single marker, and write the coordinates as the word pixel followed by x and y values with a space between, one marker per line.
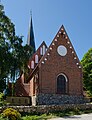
pixel 30 39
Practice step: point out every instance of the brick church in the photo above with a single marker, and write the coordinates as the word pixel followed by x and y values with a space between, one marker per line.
pixel 55 72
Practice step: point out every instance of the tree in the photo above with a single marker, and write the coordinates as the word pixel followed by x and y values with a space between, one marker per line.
pixel 87 71
pixel 13 55
pixel 6 34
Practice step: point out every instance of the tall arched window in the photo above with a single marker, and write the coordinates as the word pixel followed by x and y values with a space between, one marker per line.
pixel 36 58
pixel 61 84
pixel 44 49
pixel 32 64
pixel 41 51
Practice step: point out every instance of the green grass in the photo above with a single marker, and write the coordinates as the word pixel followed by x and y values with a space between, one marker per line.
pixel 37 117
pixel 56 114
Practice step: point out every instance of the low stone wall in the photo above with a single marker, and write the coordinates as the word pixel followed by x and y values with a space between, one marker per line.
pixel 48 108
pixel 19 100
pixel 56 99
pixel 47 99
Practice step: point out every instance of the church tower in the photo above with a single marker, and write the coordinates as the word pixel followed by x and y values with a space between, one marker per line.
pixel 30 39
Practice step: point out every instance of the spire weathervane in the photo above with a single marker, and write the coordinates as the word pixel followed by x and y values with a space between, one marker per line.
pixel 31 13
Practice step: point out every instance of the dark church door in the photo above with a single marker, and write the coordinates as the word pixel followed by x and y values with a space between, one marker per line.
pixel 61 84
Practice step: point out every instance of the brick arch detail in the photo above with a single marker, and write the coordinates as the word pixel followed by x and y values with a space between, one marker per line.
pixel 67 82
pixel 63 75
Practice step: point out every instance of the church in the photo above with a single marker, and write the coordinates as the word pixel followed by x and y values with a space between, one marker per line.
pixel 55 72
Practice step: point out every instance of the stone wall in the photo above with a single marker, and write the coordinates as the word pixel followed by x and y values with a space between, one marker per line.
pixel 47 99
pixel 56 99
pixel 48 108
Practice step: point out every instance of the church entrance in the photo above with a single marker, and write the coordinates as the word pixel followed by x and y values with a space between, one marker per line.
pixel 61 84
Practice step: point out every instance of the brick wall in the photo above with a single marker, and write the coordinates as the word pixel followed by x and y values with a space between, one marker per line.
pixel 22 89
pixel 56 65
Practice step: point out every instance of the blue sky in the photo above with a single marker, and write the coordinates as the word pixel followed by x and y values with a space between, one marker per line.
pixel 49 15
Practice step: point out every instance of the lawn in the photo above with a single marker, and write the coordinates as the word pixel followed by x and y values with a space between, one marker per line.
pixel 56 114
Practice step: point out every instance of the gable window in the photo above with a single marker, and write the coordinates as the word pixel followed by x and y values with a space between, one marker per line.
pixel 44 49
pixel 61 84
pixel 36 58
pixel 32 64
pixel 41 51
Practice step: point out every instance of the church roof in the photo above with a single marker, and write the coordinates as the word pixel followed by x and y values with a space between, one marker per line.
pixel 30 39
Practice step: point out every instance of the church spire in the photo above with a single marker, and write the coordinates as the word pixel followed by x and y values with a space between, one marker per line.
pixel 30 39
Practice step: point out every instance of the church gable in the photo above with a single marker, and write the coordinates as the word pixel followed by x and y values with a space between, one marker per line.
pixel 60 58
pixel 62 46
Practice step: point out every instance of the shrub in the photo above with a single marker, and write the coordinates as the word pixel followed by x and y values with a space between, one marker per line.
pixel 3 118
pixel 11 114
pixel 2 102
pixel 1 96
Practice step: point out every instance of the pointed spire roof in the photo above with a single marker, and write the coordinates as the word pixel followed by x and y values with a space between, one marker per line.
pixel 30 39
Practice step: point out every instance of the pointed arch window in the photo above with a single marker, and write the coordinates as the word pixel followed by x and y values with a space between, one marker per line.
pixel 36 58
pixel 32 64
pixel 62 84
pixel 41 51
pixel 44 49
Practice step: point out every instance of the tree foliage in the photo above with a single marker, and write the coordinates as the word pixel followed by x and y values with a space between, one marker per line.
pixel 87 70
pixel 13 55
pixel 6 34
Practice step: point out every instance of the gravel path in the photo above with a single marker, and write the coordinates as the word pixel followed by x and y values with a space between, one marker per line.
pixel 76 117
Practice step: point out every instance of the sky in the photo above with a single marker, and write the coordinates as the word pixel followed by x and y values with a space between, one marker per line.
pixel 48 16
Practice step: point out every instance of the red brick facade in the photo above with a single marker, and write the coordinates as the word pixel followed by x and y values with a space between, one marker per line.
pixel 55 66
